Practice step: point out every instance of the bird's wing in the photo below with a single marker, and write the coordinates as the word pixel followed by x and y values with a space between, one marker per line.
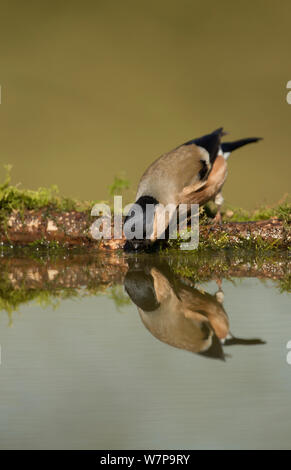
pixel 215 179
pixel 183 169
pixel 173 171
pixel 207 305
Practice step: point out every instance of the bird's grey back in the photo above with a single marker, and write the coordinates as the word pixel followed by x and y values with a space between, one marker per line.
pixel 168 175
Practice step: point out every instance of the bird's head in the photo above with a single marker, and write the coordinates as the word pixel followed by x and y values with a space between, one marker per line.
pixel 139 224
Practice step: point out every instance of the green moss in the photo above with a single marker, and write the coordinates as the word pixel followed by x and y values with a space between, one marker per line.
pixel 203 265
pixel 284 284
pixel 281 210
pixel 119 297
pixel 15 198
pixel 119 185
pixel 198 266
pixel 217 242
pixel 11 298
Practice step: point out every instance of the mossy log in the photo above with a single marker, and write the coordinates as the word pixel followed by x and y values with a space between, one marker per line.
pixel 71 272
pixel 51 277
pixel 72 228
pixel 96 273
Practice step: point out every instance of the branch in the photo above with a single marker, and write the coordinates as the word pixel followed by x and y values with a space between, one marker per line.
pixel 72 228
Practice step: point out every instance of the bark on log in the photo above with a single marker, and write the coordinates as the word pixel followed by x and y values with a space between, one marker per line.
pixel 73 228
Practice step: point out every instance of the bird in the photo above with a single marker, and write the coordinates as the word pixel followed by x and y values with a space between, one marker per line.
pixel 177 313
pixel 192 173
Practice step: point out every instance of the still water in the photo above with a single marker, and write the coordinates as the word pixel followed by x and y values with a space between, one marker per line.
pixel 143 357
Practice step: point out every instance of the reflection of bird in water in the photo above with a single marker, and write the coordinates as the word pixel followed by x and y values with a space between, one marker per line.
pixel 177 314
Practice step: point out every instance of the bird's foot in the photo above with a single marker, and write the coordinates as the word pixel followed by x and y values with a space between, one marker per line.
pixel 217 219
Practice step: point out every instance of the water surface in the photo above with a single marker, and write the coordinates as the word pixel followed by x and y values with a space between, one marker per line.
pixel 83 368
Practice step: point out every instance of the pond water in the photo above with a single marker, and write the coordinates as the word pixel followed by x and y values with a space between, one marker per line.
pixel 125 353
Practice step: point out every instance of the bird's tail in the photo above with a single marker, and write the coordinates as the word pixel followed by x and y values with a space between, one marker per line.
pixel 233 340
pixel 228 147
pixel 210 142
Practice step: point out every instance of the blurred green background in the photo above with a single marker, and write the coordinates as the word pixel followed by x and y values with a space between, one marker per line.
pixel 91 89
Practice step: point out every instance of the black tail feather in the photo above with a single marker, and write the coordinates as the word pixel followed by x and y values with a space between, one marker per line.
pixel 210 142
pixel 230 146
pixel 234 341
